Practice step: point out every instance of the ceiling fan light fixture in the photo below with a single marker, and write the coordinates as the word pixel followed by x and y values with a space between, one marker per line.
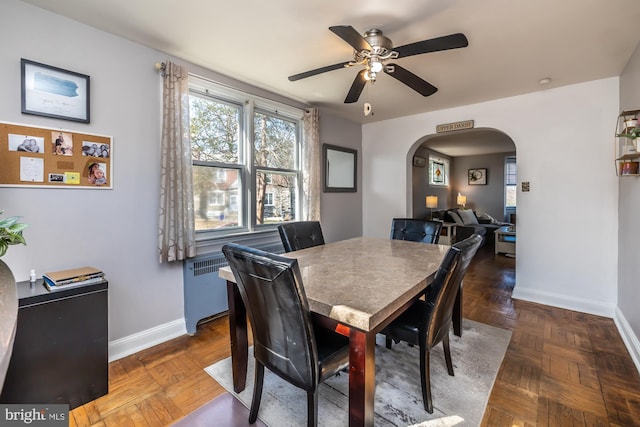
pixel 370 75
pixel 375 65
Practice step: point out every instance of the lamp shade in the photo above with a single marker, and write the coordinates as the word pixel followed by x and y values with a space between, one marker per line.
pixel 432 202
pixel 462 200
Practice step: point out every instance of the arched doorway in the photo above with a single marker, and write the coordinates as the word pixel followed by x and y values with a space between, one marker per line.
pixel 462 151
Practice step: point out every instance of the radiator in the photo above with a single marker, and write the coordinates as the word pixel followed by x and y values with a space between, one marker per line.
pixel 205 294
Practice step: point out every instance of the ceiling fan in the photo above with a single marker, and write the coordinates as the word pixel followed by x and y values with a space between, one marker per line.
pixel 374 50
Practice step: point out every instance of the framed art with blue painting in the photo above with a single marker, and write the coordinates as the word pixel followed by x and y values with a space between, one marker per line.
pixel 53 92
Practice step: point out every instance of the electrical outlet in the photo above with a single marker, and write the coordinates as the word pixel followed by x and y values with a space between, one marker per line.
pixel 525 186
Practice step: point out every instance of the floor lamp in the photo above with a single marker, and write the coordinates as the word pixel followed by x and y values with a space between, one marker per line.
pixel 432 202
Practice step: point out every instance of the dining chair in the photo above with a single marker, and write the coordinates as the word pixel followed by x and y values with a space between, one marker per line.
pixel 416 230
pixel 426 322
pixel 300 235
pixel 286 340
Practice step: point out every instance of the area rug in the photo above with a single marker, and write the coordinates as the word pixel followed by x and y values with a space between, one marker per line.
pixel 458 400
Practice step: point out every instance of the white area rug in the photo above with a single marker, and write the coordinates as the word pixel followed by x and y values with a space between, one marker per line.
pixel 458 400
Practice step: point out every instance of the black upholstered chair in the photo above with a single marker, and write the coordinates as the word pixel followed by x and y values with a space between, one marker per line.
pixel 300 235
pixel 426 323
pixel 285 339
pixel 415 230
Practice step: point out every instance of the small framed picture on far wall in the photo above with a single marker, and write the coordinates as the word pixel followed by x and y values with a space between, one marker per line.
pixel 477 177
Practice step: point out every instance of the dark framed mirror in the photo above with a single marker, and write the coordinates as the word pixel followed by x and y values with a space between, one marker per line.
pixel 340 169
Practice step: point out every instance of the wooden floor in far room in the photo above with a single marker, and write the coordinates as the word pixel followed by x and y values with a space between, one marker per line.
pixel 562 368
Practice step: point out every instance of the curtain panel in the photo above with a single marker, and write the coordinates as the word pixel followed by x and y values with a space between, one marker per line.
pixel 312 175
pixel 176 234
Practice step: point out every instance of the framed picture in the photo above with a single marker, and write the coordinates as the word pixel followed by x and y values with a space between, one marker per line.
pixel 419 161
pixel 340 169
pixel 477 177
pixel 53 92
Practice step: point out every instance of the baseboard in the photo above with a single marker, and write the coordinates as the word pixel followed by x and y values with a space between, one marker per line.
pixel 563 301
pixel 629 338
pixel 142 340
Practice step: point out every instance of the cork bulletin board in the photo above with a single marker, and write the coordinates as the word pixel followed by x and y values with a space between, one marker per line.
pixel 33 156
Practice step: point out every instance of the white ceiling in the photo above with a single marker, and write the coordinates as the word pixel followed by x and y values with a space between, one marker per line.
pixel 512 44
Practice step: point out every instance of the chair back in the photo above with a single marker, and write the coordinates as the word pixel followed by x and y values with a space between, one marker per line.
pixel 415 230
pixel 300 235
pixel 271 289
pixel 441 294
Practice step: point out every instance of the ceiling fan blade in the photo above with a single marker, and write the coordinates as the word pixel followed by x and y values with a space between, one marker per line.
pixel 351 36
pixel 452 41
pixel 318 71
pixel 414 82
pixel 356 88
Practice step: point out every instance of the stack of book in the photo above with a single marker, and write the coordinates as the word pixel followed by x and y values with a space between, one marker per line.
pixel 66 279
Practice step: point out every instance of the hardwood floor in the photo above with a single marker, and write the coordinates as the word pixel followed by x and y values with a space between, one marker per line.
pixel 562 368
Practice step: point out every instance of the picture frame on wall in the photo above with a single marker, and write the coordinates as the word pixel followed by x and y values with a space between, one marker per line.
pixel 419 162
pixel 477 177
pixel 53 92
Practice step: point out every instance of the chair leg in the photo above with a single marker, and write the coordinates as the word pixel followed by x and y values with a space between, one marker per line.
pixel 257 393
pixel 447 353
pixel 312 409
pixel 425 375
pixel 388 342
pixel 457 313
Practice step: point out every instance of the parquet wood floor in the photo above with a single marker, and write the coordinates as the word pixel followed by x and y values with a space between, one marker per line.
pixel 562 368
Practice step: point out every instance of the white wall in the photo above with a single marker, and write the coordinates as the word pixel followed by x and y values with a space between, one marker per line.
pixel 629 230
pixel 114 230
pixel 567 224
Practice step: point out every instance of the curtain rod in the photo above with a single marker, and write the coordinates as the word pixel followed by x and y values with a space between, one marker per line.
pixel 161 66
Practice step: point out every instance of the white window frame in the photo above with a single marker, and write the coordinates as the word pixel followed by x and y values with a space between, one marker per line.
pixel 510 180
pixel 433 162
pixel 249 105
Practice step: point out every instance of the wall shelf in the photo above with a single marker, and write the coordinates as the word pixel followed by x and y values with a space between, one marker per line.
pixel 627 149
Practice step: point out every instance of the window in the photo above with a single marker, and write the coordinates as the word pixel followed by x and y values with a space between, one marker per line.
pixel 438 171
pixel 511 184
pixel 246 160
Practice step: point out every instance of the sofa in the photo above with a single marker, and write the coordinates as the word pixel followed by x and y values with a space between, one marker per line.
pixel 469 223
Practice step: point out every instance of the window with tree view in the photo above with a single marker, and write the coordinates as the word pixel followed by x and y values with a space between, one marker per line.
pixel 245 162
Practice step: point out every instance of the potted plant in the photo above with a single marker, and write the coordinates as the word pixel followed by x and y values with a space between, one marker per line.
pixel 632 133
pixel 10 233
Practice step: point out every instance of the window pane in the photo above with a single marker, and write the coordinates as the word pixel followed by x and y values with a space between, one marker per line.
pixel 510 196
pixel 216 197
pixel 275 197
pixel 215 130
pixel 274 142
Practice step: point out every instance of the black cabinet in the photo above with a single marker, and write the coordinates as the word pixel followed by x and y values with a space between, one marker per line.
pixel 60 353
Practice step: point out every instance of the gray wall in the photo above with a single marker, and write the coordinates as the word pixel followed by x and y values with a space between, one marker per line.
pixel 341 213
pixel 422 189
pixel 116 230
pixel 481 198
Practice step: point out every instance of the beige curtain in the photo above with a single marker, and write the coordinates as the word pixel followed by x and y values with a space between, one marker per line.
pixel 311 163
pixel 176 221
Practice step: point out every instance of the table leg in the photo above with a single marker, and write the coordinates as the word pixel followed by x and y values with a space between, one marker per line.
pixel 362 377
pixel 238 334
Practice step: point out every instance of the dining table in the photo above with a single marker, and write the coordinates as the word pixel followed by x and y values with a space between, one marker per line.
pixel 356 287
